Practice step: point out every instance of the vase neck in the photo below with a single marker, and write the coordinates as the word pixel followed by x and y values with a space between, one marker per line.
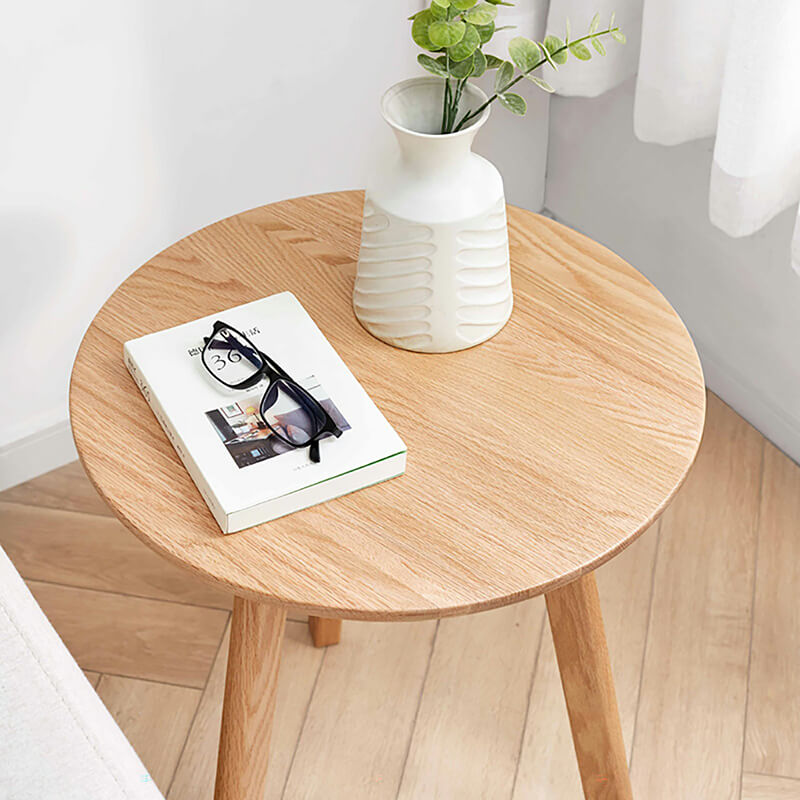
pixel 427 152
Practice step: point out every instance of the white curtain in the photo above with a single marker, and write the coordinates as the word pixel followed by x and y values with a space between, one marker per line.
pixel 724 68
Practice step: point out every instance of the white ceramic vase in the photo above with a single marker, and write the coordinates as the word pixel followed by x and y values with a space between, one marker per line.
pixel 433 269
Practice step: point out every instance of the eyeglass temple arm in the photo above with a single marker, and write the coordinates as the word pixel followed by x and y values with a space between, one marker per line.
pixel 333 428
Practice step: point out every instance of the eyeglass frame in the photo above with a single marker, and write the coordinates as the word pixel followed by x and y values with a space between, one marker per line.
pixel 273 372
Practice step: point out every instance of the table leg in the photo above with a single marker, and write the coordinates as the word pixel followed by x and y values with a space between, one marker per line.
pixel 325 631
pixel 582 653
pixel 249 705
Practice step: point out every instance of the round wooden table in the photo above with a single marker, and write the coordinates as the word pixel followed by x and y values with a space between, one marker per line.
pixel 532 458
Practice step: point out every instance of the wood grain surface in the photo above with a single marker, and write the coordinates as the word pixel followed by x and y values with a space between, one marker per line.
pixel 65 488
pixel 694 675
pixel 325 632
pixel 138 708
pixel 547 766
pixel 94 551
pixel 533 458
pixel 300 664
pixel 124 635
pixel 251 688
pixel 354 740
pixel 769 787
pixel 772 741
pixel 473 708
pixel 92 677
pixel 576 623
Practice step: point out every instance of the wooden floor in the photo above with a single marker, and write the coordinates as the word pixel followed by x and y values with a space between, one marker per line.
pixel 702 617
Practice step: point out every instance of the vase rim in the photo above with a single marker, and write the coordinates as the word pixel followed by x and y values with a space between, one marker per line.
pixel 409 83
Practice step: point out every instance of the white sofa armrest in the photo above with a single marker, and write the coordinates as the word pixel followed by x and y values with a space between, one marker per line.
pixel 57 740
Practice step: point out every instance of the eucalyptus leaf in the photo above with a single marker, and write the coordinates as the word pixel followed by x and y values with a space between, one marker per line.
pixel 493 62
pixel 542 84
pixel 569 30
pixel 548 57
pixel 598 45
pixel 469 43
pixel 514 103
pixel 419 30
pixel 505 74
pixel 432 65
pixel 499 3
pixel 441 3
pixel 524 53
pixel 613 17
pixel 595 24
pixel 553 45
pixel 619 36
pixel 462 69
pixel 482 14
pixel 480 64
pixel 438 12
pixel 446 33
pixel 580 50
pixel 463 5
pixel 486 32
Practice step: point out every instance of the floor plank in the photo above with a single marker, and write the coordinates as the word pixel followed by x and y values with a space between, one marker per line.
pixel 92 677
pixel 66 488
pixel 473 705
pixel 773 709
pixel 134 637
pixel 95 552
pixel 194 776
pixel 300 663
pixel 547 766
pixel 155 717
pixel 768 787
pixel 361 715
pixel 690 722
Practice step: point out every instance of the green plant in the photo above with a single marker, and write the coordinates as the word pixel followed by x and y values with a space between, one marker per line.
pixel 459 30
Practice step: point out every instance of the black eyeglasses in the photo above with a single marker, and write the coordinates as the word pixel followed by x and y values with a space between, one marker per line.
pixel 290 412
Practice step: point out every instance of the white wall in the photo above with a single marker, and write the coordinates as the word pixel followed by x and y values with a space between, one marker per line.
pixel 739 298
pixel 133 124
pixel 127 125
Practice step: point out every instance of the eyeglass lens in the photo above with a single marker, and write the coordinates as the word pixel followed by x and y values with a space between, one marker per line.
pixel 231 358
pixel 291 413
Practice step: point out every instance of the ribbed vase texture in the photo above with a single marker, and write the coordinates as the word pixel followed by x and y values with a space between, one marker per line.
pixel 433 288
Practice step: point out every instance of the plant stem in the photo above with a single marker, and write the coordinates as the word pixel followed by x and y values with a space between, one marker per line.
pixel 472 114
pixel 444 103
pixel 447 105
pixel 456 103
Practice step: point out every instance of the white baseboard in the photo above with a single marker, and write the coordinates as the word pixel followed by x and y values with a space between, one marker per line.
pixel 36 454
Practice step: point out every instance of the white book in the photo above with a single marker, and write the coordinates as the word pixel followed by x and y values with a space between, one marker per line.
pixel 246 474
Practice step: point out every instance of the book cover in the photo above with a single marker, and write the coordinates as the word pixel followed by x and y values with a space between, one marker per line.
pixel 246 473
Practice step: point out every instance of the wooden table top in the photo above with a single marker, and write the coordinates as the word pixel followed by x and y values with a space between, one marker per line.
pixel 532 458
